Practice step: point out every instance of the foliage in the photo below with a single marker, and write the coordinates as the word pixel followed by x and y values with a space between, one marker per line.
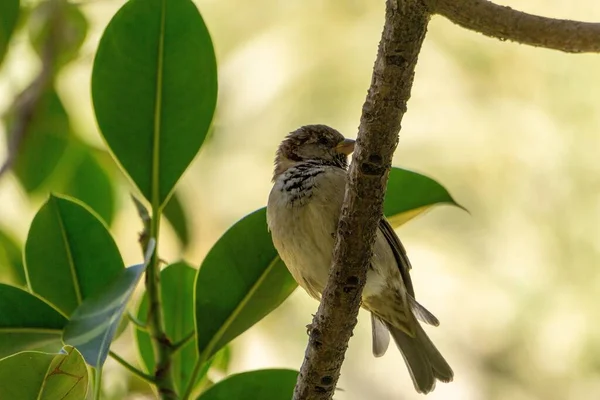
pixel 156 61
pixel 44 375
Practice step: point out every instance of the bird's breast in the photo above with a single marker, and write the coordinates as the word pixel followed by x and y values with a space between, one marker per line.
pixel 302 214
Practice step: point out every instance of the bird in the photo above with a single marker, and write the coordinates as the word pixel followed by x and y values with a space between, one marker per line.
pixel 303 211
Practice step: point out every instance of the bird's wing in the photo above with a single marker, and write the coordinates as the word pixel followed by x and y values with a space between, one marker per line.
pixel 399 254
pixel 404 266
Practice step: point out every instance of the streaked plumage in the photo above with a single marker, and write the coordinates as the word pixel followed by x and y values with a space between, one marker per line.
pixel 302 214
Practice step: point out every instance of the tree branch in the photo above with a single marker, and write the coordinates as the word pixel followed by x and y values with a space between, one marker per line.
pixel 27 102
pixel 403 33
pixel 505 23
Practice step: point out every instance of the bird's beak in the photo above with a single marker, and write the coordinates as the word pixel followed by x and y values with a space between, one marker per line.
pixel 346 146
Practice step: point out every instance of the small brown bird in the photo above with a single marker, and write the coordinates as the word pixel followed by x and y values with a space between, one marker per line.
pixel 303 212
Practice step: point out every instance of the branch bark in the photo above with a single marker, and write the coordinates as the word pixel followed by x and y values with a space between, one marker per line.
pixel 403 34
pixel 505 23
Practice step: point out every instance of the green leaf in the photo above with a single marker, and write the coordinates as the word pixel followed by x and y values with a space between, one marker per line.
pixel 409 194
pixel 154 88
pixel 92 185
pixel 241 280
pixel 94 323
pixel 9 13
pixel 44 376
pixel 59 24
pixel 265 384
pixel 38 153
pixel 69 254
pixel 175 214
pixel 26 322
pixel 12 270
pixel 177 288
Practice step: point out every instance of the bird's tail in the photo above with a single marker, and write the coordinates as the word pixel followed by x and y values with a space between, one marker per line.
pixel 424 361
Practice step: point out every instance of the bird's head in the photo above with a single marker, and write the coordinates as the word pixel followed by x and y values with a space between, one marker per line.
pixel 318 143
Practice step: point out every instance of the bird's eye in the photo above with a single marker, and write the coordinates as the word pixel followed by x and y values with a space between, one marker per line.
pixel 323 140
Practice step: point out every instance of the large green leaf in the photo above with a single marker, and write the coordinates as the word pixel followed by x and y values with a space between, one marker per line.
pixel 154 88
pixel 177 288
pixel 409 194
pixel 38 151
pixel 12 270
pixel 9 12
pixel 91 184
pixel 265 384
pixel 94 323
pixel 175 214
pixel 43 376
pixel 240 281
pixel 26 322
pixel 69 254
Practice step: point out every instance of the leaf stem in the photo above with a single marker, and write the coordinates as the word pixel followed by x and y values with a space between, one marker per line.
pixel 196 374
pixel 132 369
pixel 97 383
pixel 175 347
pixel 138 324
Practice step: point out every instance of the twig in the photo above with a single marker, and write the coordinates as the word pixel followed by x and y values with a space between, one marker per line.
pixel 27 102
pixel 144 215
pixel 403 33
pixel 175 347
pixel 155 325
pixel 507 24
pixel 148 378
pixel 143 326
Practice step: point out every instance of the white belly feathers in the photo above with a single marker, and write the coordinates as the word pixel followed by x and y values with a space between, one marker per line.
pixel 302 237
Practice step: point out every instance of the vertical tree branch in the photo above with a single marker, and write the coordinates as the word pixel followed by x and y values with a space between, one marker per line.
pixel 403 34
pixel 156 324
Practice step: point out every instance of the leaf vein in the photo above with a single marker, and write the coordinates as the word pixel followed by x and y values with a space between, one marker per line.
pixel 67 244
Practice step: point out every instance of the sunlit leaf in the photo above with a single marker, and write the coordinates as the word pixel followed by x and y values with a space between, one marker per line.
pixel 12 270
pixel 27 322
pixel 410 194
pixel 177 288
pixel 175 214
pixel 240 281
pixel 69 254
pixel 265 384
pixel 154 88
pixel 34 375
pixel 9 12
pixel 94 323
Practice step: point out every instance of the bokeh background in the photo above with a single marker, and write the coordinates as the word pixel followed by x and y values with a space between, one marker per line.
pixel 512 131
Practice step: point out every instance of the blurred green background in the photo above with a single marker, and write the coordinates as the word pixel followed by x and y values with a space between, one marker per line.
pixel 513 132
